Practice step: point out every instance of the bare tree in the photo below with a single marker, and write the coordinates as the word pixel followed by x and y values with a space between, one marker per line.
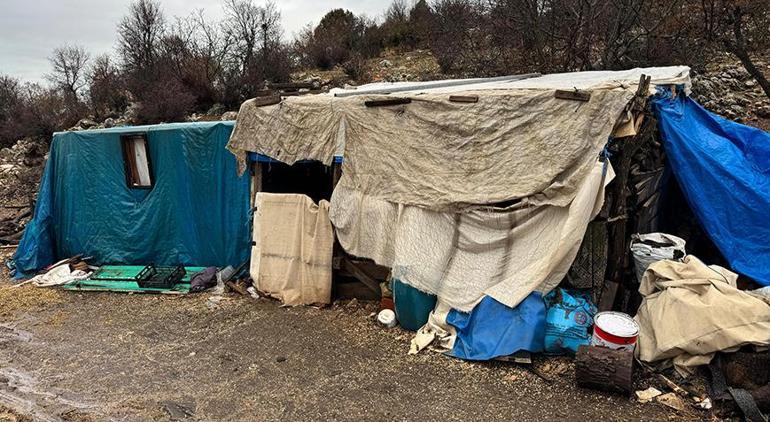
pixel 69 64
pixel 106 90
pixel 139 34
pixel 255 33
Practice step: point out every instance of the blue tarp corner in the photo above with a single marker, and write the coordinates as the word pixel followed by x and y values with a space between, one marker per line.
pixel 492 329
pixel 723 169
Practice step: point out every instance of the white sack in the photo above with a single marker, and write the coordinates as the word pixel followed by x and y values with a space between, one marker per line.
pixel 670 247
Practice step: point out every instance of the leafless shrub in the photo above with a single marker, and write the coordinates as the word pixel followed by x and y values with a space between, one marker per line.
pixel 106 90
pixel 338 36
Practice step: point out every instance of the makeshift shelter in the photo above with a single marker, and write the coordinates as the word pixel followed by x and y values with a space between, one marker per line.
pixel 166 194
pixel 476 191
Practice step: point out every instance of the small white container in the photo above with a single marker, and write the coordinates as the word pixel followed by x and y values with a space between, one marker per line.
pixel 387 318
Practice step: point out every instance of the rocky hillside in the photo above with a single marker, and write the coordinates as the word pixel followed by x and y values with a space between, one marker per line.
pixel 727 89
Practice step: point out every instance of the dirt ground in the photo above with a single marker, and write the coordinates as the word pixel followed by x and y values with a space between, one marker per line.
pixel 108 356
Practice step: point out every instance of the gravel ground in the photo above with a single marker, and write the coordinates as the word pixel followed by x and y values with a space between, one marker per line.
pixel 105 356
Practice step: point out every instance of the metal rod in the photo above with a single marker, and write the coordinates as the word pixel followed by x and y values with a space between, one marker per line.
pixel 442 84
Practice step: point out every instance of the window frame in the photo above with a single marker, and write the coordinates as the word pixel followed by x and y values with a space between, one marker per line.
pixel 129 163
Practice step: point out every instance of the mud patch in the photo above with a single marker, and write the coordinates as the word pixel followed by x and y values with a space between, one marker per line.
pixel 9 333
pixel 20 392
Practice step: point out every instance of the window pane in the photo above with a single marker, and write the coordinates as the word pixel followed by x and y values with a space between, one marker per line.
pixel 137 161
pixel 140 160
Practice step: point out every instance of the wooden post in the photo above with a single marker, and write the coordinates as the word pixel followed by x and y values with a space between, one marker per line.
pixel 618 192
pixel 604 369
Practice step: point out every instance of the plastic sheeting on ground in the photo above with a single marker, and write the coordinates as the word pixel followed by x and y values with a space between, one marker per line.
pixel 691 310
pixel 493 329
pixel 195 214
pixel 506 253
pixel 291 259
pixel 723 168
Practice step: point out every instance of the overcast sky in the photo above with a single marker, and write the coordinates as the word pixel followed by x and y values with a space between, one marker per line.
pixel 31 29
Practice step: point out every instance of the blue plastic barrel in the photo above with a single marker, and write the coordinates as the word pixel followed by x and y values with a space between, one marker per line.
pixel 412 305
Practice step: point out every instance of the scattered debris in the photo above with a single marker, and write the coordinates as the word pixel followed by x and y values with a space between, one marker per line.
pixel 213 302
pixel 671 400
pixel 646 396
pixel 253 292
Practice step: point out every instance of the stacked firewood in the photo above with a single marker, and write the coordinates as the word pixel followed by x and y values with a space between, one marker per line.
pixel 13 222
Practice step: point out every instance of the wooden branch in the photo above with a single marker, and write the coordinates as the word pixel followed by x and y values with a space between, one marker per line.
pixel 266 101
pixel 464 98
pixel 575 95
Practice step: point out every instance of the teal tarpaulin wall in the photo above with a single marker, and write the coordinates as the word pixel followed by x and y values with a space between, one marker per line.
pixel 196 213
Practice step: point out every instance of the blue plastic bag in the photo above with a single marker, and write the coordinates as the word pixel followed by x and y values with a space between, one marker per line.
pixel 569 320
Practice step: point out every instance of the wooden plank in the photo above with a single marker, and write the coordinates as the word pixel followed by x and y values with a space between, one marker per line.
pixel 336 174
pixel 607 299
pixel 464 98
pixel 387 102
pixel 356 272
pixel 575 95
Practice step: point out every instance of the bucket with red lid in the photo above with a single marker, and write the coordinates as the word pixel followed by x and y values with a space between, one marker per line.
pixel 615 330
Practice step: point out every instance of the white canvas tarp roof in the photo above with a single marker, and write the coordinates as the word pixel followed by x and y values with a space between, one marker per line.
pixel 517 141
pixel 436 161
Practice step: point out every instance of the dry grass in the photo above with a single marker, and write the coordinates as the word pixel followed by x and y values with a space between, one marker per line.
pixel 28 298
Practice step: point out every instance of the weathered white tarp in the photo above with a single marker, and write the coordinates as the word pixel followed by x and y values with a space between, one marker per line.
pixel 461 256
pixel 292 256
pixel 517 141
pixel 692 310
pixel 442 155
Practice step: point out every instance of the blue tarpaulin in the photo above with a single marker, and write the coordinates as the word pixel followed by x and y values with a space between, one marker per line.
pixel 723 169
pixel 492 329
pixel 196 214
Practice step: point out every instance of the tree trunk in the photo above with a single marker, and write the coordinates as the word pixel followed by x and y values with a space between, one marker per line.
pixel 604 369
pixel 748 64
pixel 738 48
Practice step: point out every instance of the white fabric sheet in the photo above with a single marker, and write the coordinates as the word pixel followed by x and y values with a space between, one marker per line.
pixel 461 256
pixel 292 256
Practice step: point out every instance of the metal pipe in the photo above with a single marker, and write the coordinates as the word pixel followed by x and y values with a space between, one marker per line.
pixel 440 84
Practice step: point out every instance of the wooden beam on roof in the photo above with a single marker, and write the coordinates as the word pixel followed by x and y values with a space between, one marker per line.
pixel 387 102
pixel 464 98
pixel 574 95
